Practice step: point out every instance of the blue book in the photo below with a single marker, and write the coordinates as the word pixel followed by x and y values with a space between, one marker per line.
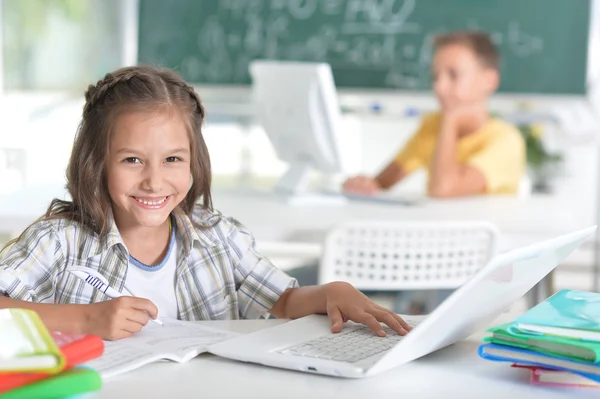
pixel 568 313
pixel 503 353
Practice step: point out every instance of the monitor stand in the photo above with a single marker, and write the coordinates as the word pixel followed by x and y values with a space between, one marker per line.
pixel 293 189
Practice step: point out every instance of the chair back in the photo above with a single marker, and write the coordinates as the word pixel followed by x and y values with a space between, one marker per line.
pixel 392 256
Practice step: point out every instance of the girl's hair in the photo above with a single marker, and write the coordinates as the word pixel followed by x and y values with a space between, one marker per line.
pixel 132 89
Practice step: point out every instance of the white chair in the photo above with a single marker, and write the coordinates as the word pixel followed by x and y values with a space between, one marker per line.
pixel 395 256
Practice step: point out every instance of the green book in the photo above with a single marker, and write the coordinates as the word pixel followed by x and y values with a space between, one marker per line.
pixel 568 313
pixel 71 382
pixel 575 349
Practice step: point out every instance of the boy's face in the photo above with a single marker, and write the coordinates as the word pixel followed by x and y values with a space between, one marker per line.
pixel 148 168
pixel 460 79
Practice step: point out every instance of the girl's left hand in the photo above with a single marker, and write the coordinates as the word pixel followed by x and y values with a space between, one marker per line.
pixel 344 302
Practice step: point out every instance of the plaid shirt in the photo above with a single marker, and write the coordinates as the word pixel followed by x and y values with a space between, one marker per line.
pixel 219 274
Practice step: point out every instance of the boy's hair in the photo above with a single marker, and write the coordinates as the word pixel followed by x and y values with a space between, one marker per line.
pixel 478 42
pixel 133 89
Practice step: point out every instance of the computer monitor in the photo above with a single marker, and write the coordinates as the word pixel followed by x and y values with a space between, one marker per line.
pixel 298 107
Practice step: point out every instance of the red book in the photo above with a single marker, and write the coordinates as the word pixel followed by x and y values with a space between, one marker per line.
pixel 77 349
pixel 557 378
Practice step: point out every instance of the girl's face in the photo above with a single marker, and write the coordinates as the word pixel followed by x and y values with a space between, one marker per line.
pixel 148 168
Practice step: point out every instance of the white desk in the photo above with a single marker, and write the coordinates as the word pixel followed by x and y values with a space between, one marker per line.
pixel 456 370
pixel 271 219
pixel 519 220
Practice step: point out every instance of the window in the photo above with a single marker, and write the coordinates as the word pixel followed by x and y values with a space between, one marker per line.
pixel 59 44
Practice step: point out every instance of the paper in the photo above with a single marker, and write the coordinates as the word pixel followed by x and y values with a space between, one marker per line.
pixel 177 340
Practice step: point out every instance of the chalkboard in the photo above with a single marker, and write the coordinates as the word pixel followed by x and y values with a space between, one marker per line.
pixel 369 43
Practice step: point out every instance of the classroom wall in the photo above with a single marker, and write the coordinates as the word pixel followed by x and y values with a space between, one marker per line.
pixel 45 124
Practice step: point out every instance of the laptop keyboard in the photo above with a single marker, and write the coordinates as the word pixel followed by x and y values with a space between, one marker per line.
pixel 351 345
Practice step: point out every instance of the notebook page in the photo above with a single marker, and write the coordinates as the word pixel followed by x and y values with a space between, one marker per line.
pixel 177 340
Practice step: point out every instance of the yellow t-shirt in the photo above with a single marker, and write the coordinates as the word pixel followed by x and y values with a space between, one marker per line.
pixel 497 150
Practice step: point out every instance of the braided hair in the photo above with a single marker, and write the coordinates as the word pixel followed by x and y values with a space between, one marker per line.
pixel 130 89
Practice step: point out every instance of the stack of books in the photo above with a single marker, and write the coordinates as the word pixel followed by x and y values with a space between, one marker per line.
pixel 35 363
pixel 558 341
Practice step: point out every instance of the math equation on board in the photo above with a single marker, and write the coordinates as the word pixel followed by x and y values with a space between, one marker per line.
pixel 378 36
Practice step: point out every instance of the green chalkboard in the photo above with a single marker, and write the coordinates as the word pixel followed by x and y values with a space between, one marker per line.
pixel 369 43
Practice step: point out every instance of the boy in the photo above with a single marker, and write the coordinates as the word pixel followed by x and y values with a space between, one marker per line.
pixel 466 151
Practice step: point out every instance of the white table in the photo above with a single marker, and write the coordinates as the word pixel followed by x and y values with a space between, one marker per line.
pixel 520 220
pixel 271 219
pixel 456 370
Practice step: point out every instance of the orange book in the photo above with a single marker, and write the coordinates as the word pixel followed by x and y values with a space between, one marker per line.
pixel 77 349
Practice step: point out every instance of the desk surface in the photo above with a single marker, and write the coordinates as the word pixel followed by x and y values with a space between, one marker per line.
pixel 262 209
pixel 271 220
pixel 521 221
pixel 453 370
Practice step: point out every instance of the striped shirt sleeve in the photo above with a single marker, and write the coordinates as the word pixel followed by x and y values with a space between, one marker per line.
pixel 259 284
pixel 28 268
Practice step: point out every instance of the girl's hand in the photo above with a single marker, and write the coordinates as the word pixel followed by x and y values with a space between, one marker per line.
pixel 118 318
pixel 344 302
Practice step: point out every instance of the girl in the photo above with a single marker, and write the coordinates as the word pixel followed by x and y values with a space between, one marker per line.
pixel 138 168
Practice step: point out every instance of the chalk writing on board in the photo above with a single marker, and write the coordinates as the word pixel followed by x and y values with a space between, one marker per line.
pixel 379 36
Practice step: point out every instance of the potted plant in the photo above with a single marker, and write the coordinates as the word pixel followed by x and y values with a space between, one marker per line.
pixel 542 165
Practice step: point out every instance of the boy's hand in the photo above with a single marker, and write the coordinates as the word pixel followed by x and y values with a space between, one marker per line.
pixel 362 185
pixel 344 302
pixel 460 118
pixel 118 318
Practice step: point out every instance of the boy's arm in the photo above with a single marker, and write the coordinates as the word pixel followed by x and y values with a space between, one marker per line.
pixel 410 158
pixel 390 175
pixel 450 178
pixel 365 185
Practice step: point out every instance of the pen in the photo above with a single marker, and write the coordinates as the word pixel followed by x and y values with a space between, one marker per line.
pixel 102 286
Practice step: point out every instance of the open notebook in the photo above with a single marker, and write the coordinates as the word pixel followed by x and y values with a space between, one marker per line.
pixel 178 341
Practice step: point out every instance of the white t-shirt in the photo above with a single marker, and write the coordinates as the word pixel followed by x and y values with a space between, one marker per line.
pixel 156 283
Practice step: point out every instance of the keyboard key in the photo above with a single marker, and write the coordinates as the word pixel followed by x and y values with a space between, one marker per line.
pixel 351 345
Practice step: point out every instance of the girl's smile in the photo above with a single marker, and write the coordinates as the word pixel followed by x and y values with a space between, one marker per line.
pixel 151 202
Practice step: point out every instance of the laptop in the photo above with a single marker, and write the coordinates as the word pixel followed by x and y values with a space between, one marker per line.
pixel 307 344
